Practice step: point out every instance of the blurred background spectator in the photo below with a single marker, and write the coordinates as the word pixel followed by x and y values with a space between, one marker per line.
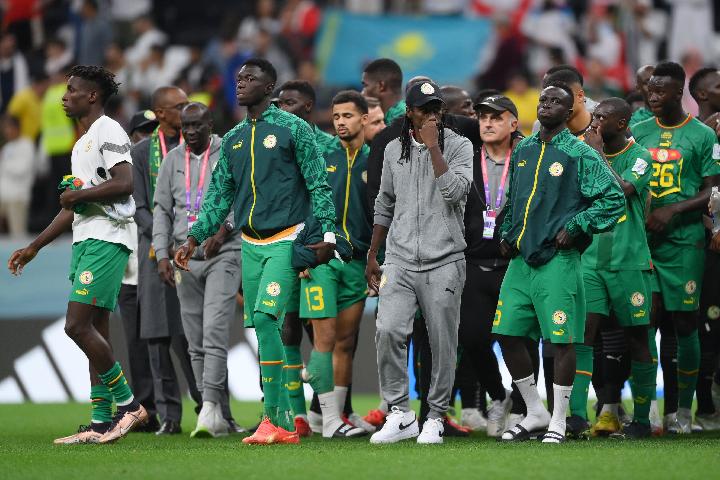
pixel 200 47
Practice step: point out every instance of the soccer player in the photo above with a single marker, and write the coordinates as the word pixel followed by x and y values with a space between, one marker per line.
pixel 376 119
pixel 101 247
pixel 206 292
pixel 685 167
pixel 270 172
pixel 457 101
pixel 616 275
pixel 298 98
pixel 561 192
pixel 426 178
pixel 332 296
pixel 642 76
pixel 382 79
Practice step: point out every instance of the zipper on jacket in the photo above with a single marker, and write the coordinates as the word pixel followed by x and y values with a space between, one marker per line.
pixel 252 179
pixel 532 194
pixel 417 217
pixel 350 164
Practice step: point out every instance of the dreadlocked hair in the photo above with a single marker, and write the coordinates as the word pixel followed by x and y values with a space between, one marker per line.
pixel 406 143
pixel 103 78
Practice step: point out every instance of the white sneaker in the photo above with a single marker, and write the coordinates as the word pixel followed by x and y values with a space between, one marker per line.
pixel 398 426
pixel 671 425
pixel 656 424
pixel 498 415
pixel 684 418
pixel 210 422
pixel 473 419
pixel 432 431
pixel 360 422
pixel 709 422
pixel 315 421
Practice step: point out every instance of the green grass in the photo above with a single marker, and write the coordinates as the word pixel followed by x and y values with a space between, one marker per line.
pixel 27 431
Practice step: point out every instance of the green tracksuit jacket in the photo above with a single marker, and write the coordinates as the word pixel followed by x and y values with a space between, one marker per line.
pixel 270 171
pixel 556 184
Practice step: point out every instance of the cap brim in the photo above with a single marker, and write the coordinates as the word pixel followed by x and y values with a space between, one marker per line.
pixel 497 108
pixel 154 123
pixel 427 99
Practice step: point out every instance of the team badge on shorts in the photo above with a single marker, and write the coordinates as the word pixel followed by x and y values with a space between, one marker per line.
pixel 270 141
pixel 559 317
pixel 713 312
pixel 690 287
pixel 637 299
pixel 273 289
pixel 556 169
pixel 86 277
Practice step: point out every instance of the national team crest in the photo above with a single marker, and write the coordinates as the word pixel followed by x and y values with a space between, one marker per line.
pixel 273 289
pixel 427 89
pixel 713 312
pixel 556 169
pixel 270 141
pixel 86 277
pixel 88 145
pixel 559 317
pixel 690 287
pixel 637 299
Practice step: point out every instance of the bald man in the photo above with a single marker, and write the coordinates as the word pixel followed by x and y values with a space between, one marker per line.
pixel 457 101
pixel 207 291
pixel 642 76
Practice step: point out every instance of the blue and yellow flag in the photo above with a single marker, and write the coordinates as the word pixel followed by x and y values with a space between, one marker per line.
pixel 446 49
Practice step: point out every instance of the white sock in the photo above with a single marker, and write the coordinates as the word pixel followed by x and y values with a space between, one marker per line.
pixel 537 416
pixel 383 407
pixel 126 402
pixel 328 405
pixel 613 408
pixel 561 394
pixel 340 396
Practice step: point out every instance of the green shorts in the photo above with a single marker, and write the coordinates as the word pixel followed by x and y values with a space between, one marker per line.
pixel 332 288
pixel 268 279
pixel 628 293
pixel 547 301
pixel 96 272
pixel 679 271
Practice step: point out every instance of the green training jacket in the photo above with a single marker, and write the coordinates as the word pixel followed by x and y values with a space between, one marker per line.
pixel 270 171
pixel 347 175
pixel 556 184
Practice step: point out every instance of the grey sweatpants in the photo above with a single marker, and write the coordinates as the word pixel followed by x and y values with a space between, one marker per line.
pixel 207 305
pixel 437 293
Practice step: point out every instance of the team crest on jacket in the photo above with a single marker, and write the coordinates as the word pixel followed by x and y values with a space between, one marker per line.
pixel 713 312
pixel 556 169
pixel 559 317
pixel 270 141
pixel 637 299
pixel 690 287
pixel 273 289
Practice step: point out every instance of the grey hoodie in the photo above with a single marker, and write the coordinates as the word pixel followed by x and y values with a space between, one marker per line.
pixel 424 214
pixel 170 224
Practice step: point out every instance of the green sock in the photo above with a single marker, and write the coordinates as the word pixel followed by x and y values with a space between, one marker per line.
pixel 115 380
pixel 581 384
pixel 688 364
pixel 320 372
pixel 652 344
pixel 643 374
pixel 271 359
pixel 293 381
pixel 102 400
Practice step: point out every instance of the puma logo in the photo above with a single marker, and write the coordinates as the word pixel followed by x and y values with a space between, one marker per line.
pixel 451 291
pixel 617 359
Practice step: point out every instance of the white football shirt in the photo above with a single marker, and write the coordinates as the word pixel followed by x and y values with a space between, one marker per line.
pixel 103 146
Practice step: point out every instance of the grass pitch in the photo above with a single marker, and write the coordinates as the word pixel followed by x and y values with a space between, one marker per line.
pixel 27 431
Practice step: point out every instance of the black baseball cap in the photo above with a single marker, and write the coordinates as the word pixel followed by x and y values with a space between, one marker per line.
pixel 422 93
pixel 500 103
pixel 143 119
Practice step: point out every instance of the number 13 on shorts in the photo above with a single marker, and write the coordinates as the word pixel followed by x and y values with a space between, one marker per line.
pixel 314 296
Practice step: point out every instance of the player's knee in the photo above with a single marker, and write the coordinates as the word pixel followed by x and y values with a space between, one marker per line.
pixel 74 329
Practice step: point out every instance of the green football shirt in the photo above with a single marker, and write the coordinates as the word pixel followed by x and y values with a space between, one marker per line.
pixel 625 247
pixel 682 156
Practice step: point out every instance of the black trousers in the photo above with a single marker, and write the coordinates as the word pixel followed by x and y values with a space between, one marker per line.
pixel 141 380
pixel 168 399
pixel 709 332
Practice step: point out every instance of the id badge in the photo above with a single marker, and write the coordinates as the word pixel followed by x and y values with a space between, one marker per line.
pixel 191 220
pixel 489 224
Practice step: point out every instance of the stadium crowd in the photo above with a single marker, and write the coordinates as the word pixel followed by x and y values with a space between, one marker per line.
pixel 563 210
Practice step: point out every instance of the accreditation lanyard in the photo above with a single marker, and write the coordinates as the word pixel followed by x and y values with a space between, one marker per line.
pixel 192 213
pixel 490 214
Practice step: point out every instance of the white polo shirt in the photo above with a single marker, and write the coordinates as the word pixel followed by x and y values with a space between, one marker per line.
pixel 103 146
